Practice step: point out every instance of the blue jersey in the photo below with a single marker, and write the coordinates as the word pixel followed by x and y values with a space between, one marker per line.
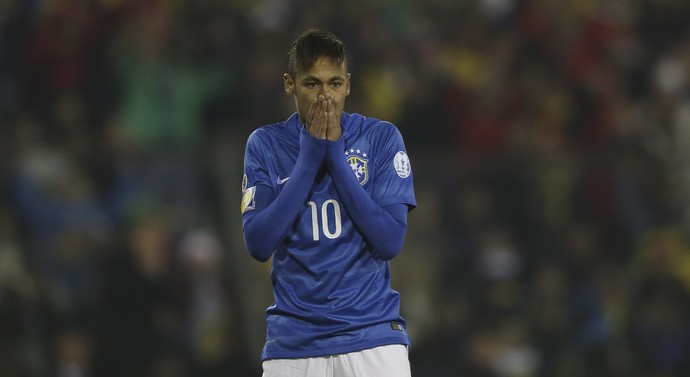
pixel 332 294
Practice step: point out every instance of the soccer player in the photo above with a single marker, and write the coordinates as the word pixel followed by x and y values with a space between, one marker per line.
pixel 326 193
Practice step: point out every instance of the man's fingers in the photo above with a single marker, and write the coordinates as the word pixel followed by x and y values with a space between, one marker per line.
pixel 322 121
pixel 329 113
pixel 310 114
pixel 313 116
pixel 319 126
pixel 334 131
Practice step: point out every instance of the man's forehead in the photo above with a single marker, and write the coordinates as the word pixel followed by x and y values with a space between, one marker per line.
pixel 328 61
pixel 325 66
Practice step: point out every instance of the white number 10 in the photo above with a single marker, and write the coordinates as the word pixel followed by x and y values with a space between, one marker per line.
pixel 324 219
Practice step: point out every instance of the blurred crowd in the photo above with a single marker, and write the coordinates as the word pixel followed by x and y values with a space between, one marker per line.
pixel 550 143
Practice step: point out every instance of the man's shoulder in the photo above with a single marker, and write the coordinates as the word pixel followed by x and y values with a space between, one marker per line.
pixel 272 130
pixel 359 121
pixel 269 129
pixel 273 127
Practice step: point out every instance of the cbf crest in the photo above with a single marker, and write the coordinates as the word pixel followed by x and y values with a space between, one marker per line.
pixel 358 163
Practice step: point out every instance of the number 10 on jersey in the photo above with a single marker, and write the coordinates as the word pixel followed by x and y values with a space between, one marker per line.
pixel 327 206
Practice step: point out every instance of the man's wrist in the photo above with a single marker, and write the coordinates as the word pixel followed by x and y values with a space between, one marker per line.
pixel 335 149
pixel 311 148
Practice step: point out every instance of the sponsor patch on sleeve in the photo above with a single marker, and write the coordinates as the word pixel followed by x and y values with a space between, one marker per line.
pixel 248 199
pixel 402 164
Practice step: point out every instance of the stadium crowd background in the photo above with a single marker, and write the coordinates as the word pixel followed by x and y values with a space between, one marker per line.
pixel 550 143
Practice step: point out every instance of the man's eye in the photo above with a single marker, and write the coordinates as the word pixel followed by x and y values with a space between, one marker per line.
pixel 312 85
pixel 336 84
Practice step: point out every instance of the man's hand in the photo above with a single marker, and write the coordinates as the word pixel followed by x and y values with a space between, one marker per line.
pixel 322 120
pixel 333 130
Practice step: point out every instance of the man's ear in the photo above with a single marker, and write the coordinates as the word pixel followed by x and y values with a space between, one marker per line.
pixel 289 84
pixel 347 84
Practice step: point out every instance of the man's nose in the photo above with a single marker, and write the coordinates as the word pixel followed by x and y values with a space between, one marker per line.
pixel 324 89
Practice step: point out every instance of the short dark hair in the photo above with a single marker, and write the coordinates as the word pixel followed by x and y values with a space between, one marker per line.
pixel 311 45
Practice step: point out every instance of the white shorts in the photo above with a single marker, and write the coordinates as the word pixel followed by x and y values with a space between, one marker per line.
pixel 384 361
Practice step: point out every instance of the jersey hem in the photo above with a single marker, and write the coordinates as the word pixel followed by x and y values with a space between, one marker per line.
pixel 334 351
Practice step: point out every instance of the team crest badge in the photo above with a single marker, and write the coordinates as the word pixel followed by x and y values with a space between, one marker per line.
pixel 358 163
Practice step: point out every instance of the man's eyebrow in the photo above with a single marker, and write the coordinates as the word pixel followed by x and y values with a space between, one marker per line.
pixel 314 78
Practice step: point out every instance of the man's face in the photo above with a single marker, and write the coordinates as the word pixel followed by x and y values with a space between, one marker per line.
pixel 325 77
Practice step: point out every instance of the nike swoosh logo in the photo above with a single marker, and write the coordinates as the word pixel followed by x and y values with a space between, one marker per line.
pixel 281 181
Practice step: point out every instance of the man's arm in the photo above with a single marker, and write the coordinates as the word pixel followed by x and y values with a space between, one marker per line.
pixel 383 227
pixel 267 225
